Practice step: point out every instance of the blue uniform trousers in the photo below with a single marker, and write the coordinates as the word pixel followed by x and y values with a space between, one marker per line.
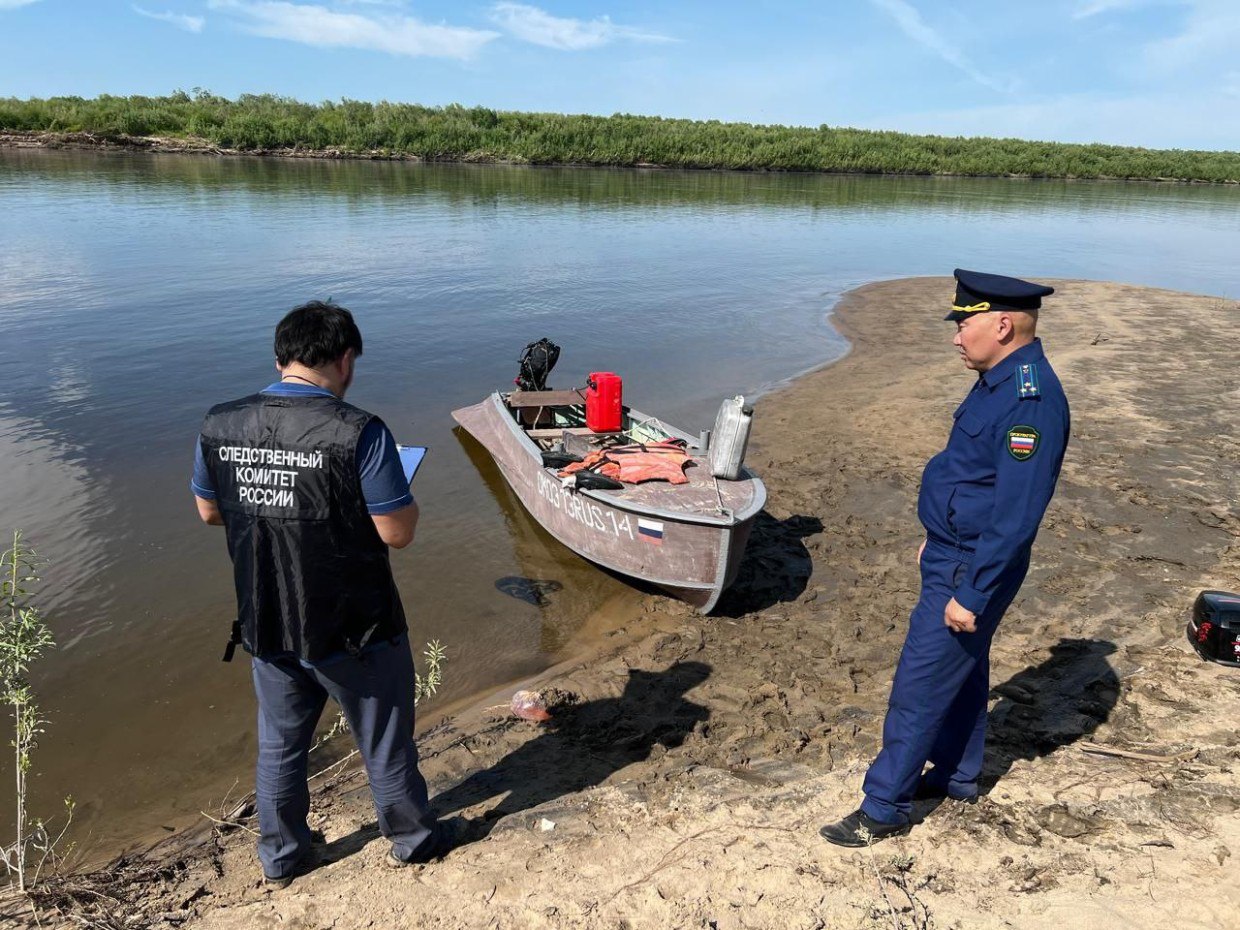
pixel 375 691
pixel 938 705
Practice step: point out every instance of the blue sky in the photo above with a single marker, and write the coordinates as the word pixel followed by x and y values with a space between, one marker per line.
pixel 1162 73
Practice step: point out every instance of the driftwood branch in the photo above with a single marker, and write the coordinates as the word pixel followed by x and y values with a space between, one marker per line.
pixel 1097 749
pixel 230 824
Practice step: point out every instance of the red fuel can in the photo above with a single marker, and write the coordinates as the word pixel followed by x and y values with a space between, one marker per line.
pixel 603 402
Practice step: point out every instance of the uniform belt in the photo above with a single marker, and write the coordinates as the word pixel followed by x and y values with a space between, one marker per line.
pixel 950 550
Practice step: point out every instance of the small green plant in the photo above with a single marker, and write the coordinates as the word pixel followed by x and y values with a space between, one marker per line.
pixel 424 687
pixel 24 637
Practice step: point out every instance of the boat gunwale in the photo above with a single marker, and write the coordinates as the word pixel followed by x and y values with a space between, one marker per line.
pixel 736 518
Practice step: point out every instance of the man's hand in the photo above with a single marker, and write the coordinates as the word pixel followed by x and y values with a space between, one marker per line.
pixel 396 528
pixel 920 550
pixel 958 619
pixel 209 511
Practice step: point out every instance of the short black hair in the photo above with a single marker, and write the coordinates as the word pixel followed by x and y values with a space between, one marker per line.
pixel 316 333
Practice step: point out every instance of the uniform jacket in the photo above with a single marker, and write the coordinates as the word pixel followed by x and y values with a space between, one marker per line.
pixel 985 494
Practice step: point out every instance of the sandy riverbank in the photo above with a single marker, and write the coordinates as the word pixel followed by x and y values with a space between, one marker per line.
pixel 89 141
pixel 687 787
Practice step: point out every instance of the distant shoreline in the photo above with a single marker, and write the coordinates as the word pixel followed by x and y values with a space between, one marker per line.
pixel 166 145
pixel 270 125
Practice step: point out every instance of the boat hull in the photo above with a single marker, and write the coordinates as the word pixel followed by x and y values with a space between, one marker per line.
pixel 692 559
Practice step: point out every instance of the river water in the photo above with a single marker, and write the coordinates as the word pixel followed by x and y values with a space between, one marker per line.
pixel 137 290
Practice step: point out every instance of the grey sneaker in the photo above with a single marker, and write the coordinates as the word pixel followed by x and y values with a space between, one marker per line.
pixel 449 834
pixel 304 864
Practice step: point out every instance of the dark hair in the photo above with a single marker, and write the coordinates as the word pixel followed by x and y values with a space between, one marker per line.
pixel 315 334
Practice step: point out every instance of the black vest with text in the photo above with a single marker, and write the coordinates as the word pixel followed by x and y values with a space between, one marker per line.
pixel 312 575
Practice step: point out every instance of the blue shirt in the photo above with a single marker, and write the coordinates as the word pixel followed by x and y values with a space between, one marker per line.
pixel 985 494
pixel 384 487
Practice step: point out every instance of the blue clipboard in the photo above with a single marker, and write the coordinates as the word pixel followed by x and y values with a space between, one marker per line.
pixel 410 458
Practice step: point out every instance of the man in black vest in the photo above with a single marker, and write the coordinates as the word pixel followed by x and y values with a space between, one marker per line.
pixel 311 494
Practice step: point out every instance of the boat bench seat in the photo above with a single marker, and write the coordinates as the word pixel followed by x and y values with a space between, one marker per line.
pixel 558 431
pixel 520 399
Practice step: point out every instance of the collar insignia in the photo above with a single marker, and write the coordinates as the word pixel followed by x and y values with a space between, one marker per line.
pixel 1027 381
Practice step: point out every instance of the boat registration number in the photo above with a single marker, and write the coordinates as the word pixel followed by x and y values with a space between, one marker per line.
pixel 589 514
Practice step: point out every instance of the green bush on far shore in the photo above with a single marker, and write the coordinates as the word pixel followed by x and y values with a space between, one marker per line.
pixel 456 133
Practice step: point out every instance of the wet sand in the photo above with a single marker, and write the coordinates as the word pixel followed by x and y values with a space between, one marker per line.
pixel 686 787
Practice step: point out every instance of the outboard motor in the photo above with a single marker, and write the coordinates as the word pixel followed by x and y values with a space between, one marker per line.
pixel 731 436
pixel 536 363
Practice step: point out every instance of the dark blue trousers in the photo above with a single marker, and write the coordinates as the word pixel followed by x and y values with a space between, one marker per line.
pixel 375 691
pixel 938 705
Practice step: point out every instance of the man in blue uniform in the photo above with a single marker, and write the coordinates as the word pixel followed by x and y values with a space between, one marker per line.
pixel 981 501
pixel 311 494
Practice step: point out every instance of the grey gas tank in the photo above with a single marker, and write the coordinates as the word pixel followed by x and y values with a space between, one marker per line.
pixel 730 438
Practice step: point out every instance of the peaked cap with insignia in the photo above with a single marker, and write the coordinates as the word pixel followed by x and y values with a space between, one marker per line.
pixel 977 292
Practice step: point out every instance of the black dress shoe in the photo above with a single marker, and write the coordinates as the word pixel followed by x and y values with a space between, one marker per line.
pixel 860 829
pixel 929 791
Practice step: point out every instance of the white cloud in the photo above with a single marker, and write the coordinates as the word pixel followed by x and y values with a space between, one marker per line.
pixel 1210 36
pixel 14 4
pixel 326 28
pixel 1210 31
pixel 539 27
pixel 180 20
pixel 912 25
pixel 1096 7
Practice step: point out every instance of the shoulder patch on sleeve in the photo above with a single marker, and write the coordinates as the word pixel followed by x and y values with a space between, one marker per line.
pixel 1027 381
pixel 1022 442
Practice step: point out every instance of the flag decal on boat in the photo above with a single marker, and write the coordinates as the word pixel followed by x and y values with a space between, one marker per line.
pixel 650 531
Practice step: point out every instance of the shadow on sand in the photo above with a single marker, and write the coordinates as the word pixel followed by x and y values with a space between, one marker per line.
pixel 776 566
pixel 1050 705
pixel 579 748
pixel 585 744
